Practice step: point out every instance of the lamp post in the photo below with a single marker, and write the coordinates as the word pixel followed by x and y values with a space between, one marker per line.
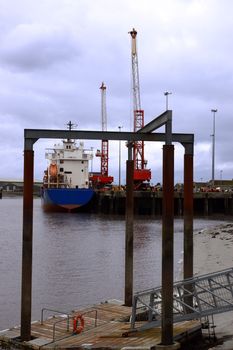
pixel 120 127
pixel 92 159
pixel 166 93
pixel 213 145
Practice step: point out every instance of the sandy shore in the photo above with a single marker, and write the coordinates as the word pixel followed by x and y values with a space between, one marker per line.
pixel 213 251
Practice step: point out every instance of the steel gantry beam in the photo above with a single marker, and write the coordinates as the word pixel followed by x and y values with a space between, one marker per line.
pixel 32 135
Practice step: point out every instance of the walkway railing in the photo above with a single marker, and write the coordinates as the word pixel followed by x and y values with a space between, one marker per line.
pixel 69 317
pixel 192 299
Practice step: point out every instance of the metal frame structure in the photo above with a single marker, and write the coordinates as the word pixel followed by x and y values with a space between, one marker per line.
pixel 187 140
pixel 211 294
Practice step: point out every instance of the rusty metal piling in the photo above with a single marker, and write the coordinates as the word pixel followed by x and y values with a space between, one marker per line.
pixel 188 215
pixel 188 223
pixel 167 244
pixel 129 229
pixel 26 292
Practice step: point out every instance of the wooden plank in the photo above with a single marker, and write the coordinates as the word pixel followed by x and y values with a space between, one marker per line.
pixel 107 334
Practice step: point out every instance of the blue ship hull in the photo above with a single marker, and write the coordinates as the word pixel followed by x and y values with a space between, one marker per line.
pixel 65 198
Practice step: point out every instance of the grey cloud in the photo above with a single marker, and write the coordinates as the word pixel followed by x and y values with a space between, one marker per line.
pixel 36 47
pixel 52 64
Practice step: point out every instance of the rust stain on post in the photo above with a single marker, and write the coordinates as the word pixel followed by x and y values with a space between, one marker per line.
pixel 27 246
pixel 129 234
pixel 167 244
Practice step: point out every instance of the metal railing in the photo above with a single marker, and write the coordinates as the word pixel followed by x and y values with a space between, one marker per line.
pixel 70 316
pixel 193 298
pixel 57 312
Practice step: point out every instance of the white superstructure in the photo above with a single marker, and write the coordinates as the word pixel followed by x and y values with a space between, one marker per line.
pixel 68 166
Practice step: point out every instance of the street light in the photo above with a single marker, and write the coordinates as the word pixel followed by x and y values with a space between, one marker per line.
pixel 92 159
pixel 166 93
pixel 213 145
pixel 120 127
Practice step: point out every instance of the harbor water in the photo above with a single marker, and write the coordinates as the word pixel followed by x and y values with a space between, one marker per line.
pixel 78 259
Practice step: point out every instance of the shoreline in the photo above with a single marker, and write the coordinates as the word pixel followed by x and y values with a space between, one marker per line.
pixel 213 252
pixel 212 249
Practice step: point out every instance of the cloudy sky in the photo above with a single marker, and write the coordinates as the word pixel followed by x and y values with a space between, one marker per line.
pixel 54 55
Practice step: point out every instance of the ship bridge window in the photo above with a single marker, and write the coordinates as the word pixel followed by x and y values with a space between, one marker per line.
pixel 61 161
pixel 61 170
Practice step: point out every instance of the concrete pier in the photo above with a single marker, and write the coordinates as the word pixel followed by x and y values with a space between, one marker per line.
pixel 150 203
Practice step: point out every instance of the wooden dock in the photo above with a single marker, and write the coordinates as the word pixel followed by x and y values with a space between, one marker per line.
pixel 106 327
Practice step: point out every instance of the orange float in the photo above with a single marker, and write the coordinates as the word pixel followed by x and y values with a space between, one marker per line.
pixel 78 329
pixel 53 170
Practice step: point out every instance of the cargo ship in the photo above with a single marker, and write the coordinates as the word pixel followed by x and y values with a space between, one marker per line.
pixel 66 180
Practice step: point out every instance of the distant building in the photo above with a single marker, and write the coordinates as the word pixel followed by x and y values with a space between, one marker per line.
pixel 16 186
pixel 219 185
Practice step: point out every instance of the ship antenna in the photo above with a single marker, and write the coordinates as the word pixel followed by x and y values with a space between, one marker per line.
pixel 71 125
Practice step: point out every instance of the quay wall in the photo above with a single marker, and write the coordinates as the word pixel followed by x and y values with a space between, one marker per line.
pixel 150 203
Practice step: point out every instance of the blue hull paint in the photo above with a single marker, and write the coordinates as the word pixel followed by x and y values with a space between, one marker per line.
pixel 65 198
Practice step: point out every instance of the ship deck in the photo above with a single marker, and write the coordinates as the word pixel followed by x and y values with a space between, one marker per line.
pixel 106 327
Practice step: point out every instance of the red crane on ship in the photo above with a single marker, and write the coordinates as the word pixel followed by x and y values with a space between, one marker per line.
pixel 142 175
pixel 99 180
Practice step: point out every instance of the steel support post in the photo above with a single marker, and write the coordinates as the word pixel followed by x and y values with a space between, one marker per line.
pixel 129 230
pixel 188 216
pixel 188 225
pixel 167 245
pixel 26 291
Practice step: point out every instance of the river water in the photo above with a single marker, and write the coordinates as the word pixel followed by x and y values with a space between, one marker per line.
pixel 78 259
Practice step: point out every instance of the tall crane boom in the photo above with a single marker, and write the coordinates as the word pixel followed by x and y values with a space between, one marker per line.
pixel 135 72
pixel 100 179
pixel 140 172
pixel 104 143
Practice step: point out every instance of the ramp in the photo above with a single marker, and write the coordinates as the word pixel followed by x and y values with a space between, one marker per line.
pixel 193 298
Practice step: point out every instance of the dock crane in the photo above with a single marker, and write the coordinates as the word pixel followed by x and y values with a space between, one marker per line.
pixel 141 174
pixel 99 180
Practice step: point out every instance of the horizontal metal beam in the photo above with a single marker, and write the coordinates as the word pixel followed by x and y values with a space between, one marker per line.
pixel 156 123
pixel 32 135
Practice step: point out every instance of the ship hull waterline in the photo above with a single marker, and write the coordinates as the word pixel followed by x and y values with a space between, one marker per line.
pixel 65 199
